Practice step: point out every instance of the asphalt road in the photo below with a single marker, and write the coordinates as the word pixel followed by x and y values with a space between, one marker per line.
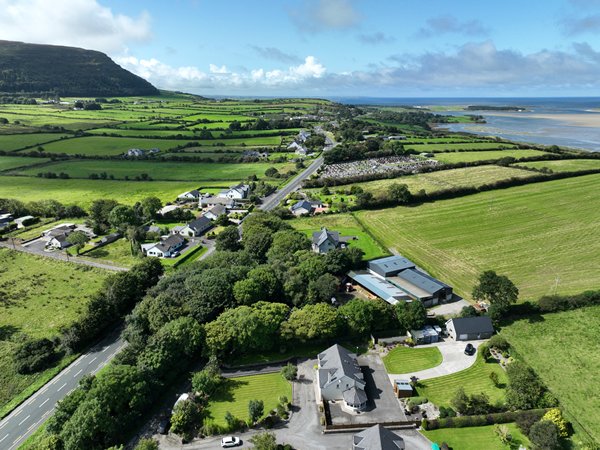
pixel 24 420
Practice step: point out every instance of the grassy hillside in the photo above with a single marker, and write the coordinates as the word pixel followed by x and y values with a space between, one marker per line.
pixel 543 236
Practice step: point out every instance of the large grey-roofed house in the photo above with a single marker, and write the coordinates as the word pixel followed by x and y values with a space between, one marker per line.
pixel 196 227
pixel 377 438
pixel 470 328
pixel 324 241
pixel 166 248
pixel 340 377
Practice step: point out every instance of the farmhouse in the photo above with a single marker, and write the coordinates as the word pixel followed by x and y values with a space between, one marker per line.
pixel 196 227
pixel 324 241
pixel 215 212
pixel 59 242
pixel 377 438
pixel 299 149
pixel 189 195
pixel 237 192
pixel 166 248
pixel 401 273
pixel 340 378
pixel 470 328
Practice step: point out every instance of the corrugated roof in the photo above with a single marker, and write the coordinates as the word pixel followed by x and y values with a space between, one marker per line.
pixel 391 265
pixel 419 280
pixel 381 288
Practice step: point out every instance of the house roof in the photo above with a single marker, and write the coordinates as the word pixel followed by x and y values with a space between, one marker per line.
pixel 381 288
pixel 423 283
pixel 24 218
pixel 403 385
pixel 377 438
pixel 390 265
pixel 354 396
pixel 193 192
pixel 320 237
pixel 470 325
pixel 172 241
pixel 338 362
pixel 200 224
pixel 302 204
pixel 217 210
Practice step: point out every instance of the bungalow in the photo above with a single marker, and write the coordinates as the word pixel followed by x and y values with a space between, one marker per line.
pixel 299 149
pixel 377 438
pixel 238 192
pixel 166 248
pixel 22 222
pixel 65 228
pixel 211 200
pixel 215 212
pixel 189 195
pixel 135 152
pixel 59 242
pixel 324 241
pixel 340 378
pixel 196 227
pixel 302 207
pixel 470 328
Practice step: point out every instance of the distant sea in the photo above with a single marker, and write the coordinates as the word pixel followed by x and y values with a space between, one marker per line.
pixel 523 128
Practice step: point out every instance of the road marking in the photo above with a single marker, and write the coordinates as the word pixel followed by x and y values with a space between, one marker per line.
pixel 21 422
pixel 61 387
pixel 3 438
pixel 18 412
pixel 93 360
pixel 45 401
pixel 16 440
pixel 106 348
pixel 77 373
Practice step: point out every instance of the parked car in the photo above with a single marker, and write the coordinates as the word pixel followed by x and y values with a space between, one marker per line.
pixel 163 426
pixel 470 350
pixel 230 441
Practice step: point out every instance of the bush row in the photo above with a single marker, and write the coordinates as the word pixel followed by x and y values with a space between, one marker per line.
pixel 480 420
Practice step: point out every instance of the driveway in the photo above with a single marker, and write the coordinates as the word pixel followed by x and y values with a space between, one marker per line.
pixel 454 360
pixel 451 308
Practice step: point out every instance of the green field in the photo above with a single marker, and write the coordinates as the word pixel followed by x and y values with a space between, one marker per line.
pixel 488 155
pixel 346 225
pixel 118 252
pixel 237 392
pixel 477 438
pixel 109 146
pixel 84 192
pixel 405 359
pixel 37 297
pixel 161 170
pixel 10 142
pixel 474 380
pixel 565 165
pixel 564 350
pixel 12 162
pixel 543 236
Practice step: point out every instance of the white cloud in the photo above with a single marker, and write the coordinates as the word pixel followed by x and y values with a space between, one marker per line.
pixel 79 23
pixel 220 78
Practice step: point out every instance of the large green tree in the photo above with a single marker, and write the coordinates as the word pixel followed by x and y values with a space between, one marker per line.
pixel 496 289
pixel 78 239
pixel 313 322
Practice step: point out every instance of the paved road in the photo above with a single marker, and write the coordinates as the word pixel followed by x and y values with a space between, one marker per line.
pixel 34 250
pixel 24 420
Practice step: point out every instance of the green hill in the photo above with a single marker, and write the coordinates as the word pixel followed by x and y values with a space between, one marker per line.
pixel 30 69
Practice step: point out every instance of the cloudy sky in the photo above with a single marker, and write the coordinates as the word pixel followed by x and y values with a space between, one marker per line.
pixel 383 48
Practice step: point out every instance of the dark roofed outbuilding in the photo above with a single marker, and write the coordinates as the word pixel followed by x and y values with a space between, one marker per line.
pixel 470 328
pixel 390 266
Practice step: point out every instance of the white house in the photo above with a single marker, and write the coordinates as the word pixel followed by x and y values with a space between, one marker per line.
pixel 324 241
pixel 340 378
pixel 196 227
pixel 209 201
pixel 303 135
pixel 166 248
pixel 299 149
pixel 59 242
pixel 237 192
pixel 215 212
pixel 302 207
pixel 189 195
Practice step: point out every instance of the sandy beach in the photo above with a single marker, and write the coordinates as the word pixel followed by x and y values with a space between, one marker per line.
pixel 591 120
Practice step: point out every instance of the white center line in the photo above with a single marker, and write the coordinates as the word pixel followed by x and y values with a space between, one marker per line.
pixel 61 387
pixel 77 373
pixel 18 412
pixel 106 348
pixel 21 422
pixel 3 438
pixel 93 360
pixel 44 403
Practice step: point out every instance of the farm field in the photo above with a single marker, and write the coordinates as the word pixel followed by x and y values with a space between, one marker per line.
pixel 477 438
pixel 118 252
pixel 84 192
pixel 456 157
pixel 405 359
pixel 459 146
pixel 565 165
pixel 474 380
pixel 237 392
pixel 10 142
pixel 37 297
pixel 12 162
pixel 161 170
pixel 109 146
pixel 346 225
pixel 68 123
pixel 572 338
pixel 543 236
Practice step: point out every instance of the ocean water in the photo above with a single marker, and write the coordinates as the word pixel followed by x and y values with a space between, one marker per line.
pixel 523 128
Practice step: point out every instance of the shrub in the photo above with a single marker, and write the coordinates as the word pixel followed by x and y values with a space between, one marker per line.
pixel 424 424
pixel 555 416
pixel 494 378
pixel 498 342
pixel 526 419
pixel 34 355
pixel 544 435
pixel 289 372
pixel 256 408
pixel 147 444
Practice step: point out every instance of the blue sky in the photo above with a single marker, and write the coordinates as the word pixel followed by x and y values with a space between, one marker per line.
pixel 396 48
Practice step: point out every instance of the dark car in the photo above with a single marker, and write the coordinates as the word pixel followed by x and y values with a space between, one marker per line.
pixel 470 350
pixel 163 426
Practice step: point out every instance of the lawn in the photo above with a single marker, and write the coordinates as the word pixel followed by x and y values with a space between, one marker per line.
pixel 118 252
pixel 162 170
pixel 564 165
pixel 455 157
pixel 543 236
pixel 474 380
pixel 38 296
pixel 83 192
pixel 477 438
pixel 237 392
pixel 109 146
pixel 12 162
pixel 10 142
pixel 346 225
pixel 564 350
pixel 405 360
